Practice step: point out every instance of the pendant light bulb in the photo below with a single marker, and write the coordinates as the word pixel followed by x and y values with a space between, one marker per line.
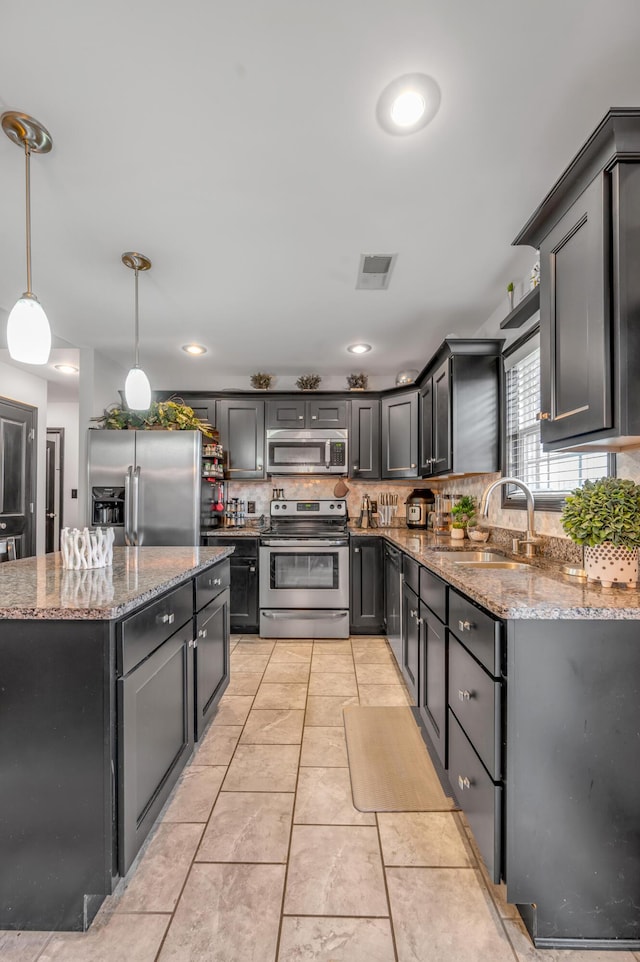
pixel 28 331
pixel 137 390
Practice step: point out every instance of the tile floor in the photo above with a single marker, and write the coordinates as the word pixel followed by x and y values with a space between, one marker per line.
pixel 260 855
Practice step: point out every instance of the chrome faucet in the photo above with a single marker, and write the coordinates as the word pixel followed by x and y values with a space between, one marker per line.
pixel 530 541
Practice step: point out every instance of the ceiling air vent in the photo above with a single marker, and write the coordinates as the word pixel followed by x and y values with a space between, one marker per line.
pixel 375 271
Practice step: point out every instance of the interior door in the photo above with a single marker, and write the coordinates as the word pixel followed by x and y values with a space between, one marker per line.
pixel 17 475
pixel 53 489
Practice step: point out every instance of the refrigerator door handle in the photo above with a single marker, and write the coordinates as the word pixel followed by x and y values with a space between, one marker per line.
pixel 135 507
pixel 127 506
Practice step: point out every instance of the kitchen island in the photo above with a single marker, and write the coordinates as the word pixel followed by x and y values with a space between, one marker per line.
pixel 527 683
pixel 103 684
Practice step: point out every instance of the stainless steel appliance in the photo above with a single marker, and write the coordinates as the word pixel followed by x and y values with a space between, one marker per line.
pixel 304 571
pixel 307 452
pixel 146 484
pixel 418 506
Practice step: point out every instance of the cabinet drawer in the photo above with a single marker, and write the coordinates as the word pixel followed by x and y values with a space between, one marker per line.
pixel 411 572
pixel 144 631
pixel 433 591
pixel 479 798
pixel 474 698
pixel 477 630
pixel 211 582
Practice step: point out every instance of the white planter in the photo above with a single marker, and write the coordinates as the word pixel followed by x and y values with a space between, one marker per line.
pixel 457 534
pixel 611 564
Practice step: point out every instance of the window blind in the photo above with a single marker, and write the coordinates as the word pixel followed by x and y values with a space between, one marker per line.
pixel 549 475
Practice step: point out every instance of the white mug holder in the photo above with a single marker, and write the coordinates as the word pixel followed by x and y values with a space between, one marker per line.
pixel 86 548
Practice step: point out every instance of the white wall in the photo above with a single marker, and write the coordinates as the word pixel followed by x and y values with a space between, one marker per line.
pixel 65 414
pixel 19 386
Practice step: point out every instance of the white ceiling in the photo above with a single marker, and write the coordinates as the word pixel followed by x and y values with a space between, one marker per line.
pixel 236 145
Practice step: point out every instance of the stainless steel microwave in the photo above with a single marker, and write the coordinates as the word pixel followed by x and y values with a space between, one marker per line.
pixel 307 452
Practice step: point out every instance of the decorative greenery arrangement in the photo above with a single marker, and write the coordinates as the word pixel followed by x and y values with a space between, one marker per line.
pixel 260 381
pixel 510 287
pixel 604 510
pixel 463 512
pixel 308 382
pixel 357 381
pixel 171 415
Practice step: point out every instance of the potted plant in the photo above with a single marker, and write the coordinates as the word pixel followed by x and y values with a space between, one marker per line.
pixel 604 516
pixel 171 415
pixel 510 294
pixel 357 382
pixel 308 382
pixel 260 381
pixel 462 513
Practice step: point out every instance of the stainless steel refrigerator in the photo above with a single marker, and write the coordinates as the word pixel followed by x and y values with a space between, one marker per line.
pixel 146 485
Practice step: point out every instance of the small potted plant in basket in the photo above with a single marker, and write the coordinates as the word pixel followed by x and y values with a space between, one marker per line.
pixel 357 382
pixel 604 516
pixel 463 514
pixel 308 382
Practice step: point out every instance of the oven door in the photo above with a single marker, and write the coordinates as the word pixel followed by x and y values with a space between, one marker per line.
pixel 304 574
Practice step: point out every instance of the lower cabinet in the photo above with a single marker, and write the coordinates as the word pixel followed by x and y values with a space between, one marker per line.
pixel 244 610
pixel 432 689
pixel 155 737
pixel 393 599
pixel 211 659
pixel 410 640
pixel 366 577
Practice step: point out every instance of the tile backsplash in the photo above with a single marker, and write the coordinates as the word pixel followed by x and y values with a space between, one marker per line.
pixel 511 519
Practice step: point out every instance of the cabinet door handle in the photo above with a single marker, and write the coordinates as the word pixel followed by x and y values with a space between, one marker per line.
pixel 419 621
pixel 202 633
pixel 259 466
pixel 356 550
pixel 413 465
pixel 463 783
pixel 166 619
pixel 191 643
pixel 314 417
pixel 465 625
pixel 464 695
pixel 214 581
pixel 356 467
pixel 543 416
pixel 3 525
pixel 301 417
pixel 252 568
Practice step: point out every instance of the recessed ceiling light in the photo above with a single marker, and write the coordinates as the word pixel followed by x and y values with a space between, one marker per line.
pixel 66 368
pixel 359 348
pixel 408 103
pixel 194 349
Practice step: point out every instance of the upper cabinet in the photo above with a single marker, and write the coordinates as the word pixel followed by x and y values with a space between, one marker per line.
pixel 400 436
pixel 588 232
pixel 460 408
pixel 241 425
pixel 302 414
pixel 364 439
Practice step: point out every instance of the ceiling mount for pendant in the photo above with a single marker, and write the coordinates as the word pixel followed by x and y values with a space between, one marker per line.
pixel 28 330
pixel 137 390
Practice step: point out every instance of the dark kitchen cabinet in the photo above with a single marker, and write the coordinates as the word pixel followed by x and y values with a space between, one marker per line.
pixel 244 611
pixel 432 690
pixel 460 408
pixel 588 232
pixel 211 670
pixel 364 439
pixel 393 599
pixel 241 426
pixel 410 640
pixel 400 435
pixel 366 575
pixel 304 413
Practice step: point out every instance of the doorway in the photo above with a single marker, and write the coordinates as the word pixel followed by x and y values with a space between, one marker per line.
pixel 54 489
pixel 18 476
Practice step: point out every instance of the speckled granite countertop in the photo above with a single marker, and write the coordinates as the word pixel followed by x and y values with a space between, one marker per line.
pixel 539 591
pixel 215 533
pixel 41 588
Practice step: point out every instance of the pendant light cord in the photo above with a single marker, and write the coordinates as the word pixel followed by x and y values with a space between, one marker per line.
pixel 136 336
pixel 27 155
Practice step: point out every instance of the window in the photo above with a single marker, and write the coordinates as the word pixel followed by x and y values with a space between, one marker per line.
pixel 550 475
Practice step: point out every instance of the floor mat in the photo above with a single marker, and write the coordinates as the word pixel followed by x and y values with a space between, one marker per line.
pixel 389 764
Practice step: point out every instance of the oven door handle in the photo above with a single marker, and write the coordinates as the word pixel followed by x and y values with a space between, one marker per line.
pixel 304 616
pixel 304 542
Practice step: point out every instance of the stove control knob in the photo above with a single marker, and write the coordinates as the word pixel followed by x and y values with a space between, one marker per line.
pixel 284 507
pixel 331 507
pixel 276 507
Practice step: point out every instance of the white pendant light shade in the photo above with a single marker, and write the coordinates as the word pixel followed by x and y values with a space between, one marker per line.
pixel 137 390
pixel 28 331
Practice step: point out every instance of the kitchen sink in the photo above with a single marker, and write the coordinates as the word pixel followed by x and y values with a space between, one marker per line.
pixel 470 557
pixel 506 565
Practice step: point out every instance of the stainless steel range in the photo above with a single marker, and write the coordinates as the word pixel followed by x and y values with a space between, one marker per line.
pixel 304 571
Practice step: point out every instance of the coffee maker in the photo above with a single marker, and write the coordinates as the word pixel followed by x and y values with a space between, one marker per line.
pixel 418 505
